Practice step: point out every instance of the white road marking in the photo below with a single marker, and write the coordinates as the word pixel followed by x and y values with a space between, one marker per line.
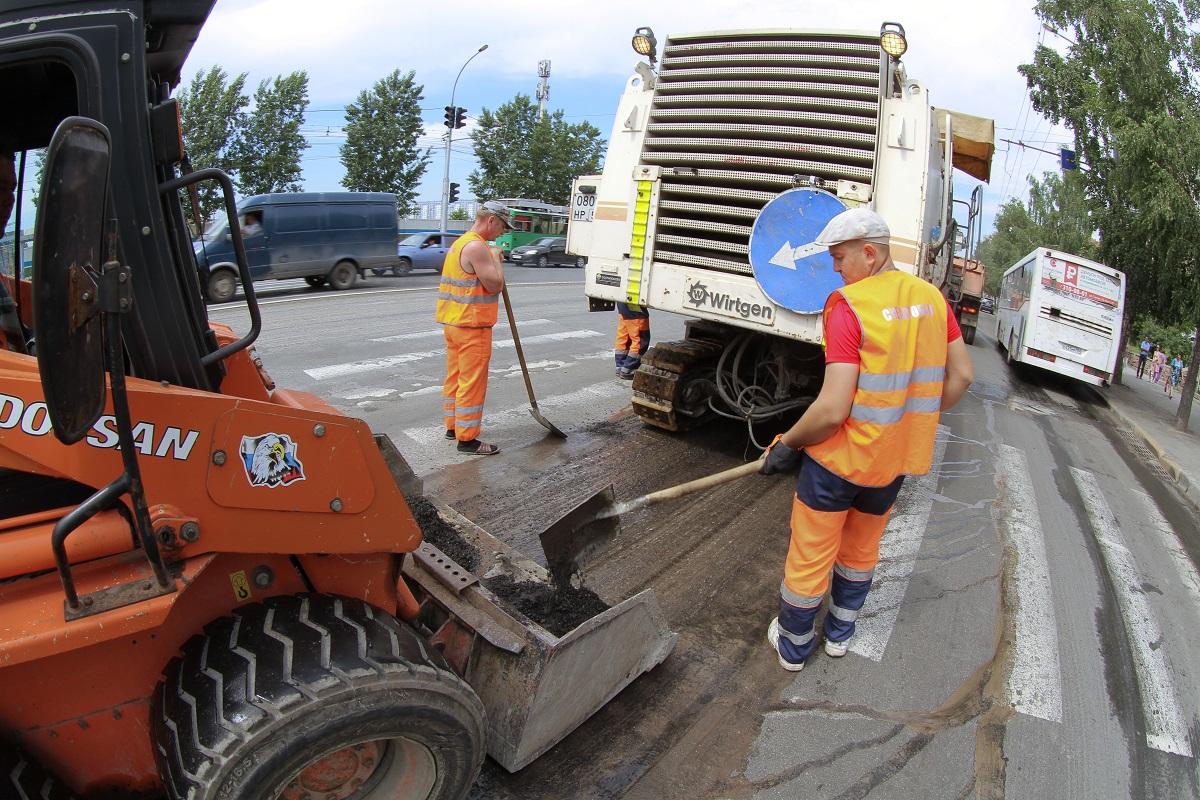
pixel 1166 729
pixel 369 396
pixel 897 555
pixel 431 450
pixel 1035 682
pixel 437 333
pixel 1170 542
pixel 387 362
pixel 240 304
pixel 369 365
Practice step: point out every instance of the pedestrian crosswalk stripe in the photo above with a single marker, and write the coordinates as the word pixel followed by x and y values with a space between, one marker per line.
pixel 387 362
pixel 897 556
pixel 436 333
pixel 1166 729
pixel 599 399
pixel 1170 542
pixel 1035 680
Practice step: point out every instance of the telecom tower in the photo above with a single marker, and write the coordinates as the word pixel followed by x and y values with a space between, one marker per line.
pixel 543 90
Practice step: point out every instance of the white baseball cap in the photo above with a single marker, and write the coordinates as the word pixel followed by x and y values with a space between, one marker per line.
pixel 852 224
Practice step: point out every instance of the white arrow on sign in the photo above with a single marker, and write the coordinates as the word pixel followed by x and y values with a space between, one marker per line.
pixel 788 255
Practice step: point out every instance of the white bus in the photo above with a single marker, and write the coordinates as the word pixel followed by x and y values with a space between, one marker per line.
pixel 1062 313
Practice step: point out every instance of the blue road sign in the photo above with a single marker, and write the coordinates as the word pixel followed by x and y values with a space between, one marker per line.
pixel 790 269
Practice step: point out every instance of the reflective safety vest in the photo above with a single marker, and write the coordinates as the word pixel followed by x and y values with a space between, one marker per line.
pixel 462 300
pixel 893 422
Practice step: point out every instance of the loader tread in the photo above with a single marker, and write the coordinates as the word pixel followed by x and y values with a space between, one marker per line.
pixel 254 676
pixel 22 778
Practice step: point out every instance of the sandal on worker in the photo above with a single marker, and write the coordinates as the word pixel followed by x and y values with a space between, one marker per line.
pixel 478 448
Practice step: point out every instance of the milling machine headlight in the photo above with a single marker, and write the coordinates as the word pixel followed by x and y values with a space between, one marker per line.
pixel 892 39
pixel 645 44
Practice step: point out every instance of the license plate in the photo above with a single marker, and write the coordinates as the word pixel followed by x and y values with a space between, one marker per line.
pixel 583 207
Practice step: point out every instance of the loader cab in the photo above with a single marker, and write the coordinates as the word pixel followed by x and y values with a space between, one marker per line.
pixel 116 63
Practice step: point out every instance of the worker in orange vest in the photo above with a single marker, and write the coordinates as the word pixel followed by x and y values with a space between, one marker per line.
pixel 894 359
pixel 467 305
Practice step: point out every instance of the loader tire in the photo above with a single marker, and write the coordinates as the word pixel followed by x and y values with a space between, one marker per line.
pixel 314 696
pixel 22 777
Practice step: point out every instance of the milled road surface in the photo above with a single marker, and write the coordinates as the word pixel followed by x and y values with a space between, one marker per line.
pixel 1030 632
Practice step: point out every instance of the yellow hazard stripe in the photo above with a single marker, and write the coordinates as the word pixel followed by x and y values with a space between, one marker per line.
pixel 637 246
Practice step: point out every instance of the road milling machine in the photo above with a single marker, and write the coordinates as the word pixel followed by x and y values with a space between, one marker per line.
pixel 725 162
pixel 211 586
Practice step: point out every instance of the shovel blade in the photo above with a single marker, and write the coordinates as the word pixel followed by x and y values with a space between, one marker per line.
pixel 547 424
pixel 579 536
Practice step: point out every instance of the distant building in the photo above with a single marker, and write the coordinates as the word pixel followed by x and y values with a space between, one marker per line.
pixel 432 209
pixel 6 253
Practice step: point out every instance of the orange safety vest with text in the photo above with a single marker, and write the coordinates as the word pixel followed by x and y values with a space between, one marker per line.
pixel 892 424
pixel 462 300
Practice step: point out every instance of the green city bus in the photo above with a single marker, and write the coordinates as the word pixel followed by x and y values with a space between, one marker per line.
pixel 532 220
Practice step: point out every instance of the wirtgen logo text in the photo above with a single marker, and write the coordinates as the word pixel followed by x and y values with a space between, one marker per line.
pixel 698 295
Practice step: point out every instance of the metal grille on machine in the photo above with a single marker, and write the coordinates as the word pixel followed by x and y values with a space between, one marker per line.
pixel 738 118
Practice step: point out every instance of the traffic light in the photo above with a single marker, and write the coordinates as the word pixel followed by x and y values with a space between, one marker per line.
pixel 451 116
pixel 460 117
pixel 453 195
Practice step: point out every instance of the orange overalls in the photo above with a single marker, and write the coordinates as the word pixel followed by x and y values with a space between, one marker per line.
pixel 467 313
pixel 633 338
pixel 849 482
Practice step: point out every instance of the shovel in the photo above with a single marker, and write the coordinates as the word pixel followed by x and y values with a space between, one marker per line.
pixel 585 531
pixel 533 406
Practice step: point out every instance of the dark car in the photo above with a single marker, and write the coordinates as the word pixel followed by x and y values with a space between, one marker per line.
pixel 544 252
pixel 423 251
pixel 319 236
pixel 987 305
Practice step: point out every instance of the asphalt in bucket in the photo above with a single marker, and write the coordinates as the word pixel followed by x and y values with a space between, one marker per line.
pixel 558 610
pixel 441 535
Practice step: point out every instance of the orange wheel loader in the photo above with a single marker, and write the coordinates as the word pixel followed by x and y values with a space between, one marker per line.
pixel 211 587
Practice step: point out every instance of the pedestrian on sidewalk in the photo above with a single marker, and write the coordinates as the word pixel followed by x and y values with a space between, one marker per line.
pixel 467 307
pixel 633 338
pixel 1175 367
pixel 1143 357
pixel 1160 361
pixel 894 359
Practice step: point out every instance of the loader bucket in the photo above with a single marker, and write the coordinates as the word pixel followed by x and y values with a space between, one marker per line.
pixel 536 687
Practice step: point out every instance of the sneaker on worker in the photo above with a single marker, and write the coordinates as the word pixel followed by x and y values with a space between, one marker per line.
pixel 773 638
pixel 836 649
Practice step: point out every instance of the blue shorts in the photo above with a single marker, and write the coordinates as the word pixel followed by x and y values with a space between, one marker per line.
pixel 822 490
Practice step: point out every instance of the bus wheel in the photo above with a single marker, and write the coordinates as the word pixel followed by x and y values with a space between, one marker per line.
pixel 315 280
pixel 314 696
pixel 221 286
pixel 342 275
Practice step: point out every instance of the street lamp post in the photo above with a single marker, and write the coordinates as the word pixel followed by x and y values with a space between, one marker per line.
pixel 449 137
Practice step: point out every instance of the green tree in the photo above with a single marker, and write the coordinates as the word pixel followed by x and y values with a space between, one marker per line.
pixel 458 213
pixel 1126 85
pixel 382 127
pixel 210 107
pixel 266 151
pixel 522 156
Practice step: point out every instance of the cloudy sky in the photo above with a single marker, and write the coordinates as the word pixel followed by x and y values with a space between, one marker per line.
pixel 966 53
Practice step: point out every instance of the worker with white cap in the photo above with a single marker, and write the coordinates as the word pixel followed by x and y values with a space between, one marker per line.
pixel 894 359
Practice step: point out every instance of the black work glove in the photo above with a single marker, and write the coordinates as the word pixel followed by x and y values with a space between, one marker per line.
pixel 780 458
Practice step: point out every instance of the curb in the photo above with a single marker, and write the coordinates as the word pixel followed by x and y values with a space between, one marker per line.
pixel 1174 470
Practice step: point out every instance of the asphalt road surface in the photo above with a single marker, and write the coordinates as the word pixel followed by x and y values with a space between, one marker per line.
pixel 1030 633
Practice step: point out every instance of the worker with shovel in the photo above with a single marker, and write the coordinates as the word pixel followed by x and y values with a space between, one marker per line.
pixel 467 306
pixel 894 359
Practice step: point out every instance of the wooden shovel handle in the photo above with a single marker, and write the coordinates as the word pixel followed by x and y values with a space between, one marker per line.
pixel 683 489
pixel 512 326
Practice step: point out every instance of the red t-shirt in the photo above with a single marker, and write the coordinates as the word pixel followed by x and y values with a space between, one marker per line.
pixel 843 334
